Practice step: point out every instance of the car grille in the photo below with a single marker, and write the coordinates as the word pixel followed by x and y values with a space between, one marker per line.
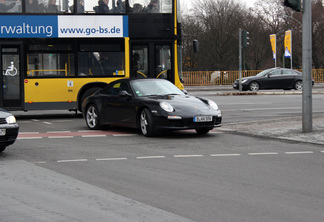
pixel 3 121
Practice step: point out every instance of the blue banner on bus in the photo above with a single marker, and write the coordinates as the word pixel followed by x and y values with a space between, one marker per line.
pixel 63 26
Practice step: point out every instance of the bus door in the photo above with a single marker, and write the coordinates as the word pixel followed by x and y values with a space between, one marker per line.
pixel 152 60
pixel 11 78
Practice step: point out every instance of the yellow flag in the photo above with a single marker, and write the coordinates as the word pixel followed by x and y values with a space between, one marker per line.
pixel 273 45
pixel 288 44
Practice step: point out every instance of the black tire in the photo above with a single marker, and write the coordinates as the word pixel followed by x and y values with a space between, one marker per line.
pixel 202 131
pixel 254 86
pixel 92 117
pixel 146 123
pixel 2 148
pixel 298 85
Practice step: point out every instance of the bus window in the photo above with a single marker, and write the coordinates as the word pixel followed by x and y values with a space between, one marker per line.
pixel 7 6
pixel 32 6
pixel 107 6
pixel 50 65
pixel 163 60
pixel 154 6
pixel 101 63
pixel 51 6
pixel 139 65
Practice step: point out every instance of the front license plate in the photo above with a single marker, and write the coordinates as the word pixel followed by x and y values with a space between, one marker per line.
pixel 2 132
pixel 203 119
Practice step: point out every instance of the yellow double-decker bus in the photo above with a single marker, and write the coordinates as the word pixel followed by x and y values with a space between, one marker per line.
pixel 54 53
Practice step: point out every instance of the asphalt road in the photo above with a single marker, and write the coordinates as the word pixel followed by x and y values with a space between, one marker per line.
pixel 117 174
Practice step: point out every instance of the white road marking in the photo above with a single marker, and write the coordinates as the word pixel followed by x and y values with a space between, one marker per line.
pixel 180 156
pixel 60 137
pixel 106 159
pixel 48 123
pixel 269 153
pixel 299 152
pixel 28 132
pixel 123 134
pixel 225 154
pixel 87 136
pixel 29 138
pixel 77 160
pixel 150 157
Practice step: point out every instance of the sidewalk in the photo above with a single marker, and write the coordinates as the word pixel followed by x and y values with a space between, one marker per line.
pixel 285 128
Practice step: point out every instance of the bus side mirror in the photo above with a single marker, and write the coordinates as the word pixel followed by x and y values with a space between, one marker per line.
pixel 195 46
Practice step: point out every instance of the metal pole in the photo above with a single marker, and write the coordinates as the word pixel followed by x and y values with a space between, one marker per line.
pixel 240 59
pixel 307 67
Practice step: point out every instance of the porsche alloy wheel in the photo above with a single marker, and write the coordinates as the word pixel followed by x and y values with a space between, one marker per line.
pixel 92 117
pixel 254 86
pixel 146 123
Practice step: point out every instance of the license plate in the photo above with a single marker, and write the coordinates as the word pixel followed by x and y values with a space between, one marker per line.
pixel 2 132
pixel 203 119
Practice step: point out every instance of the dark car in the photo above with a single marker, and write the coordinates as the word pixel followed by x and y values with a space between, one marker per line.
pixel 8 129
pixel 275 78
pixel 151 105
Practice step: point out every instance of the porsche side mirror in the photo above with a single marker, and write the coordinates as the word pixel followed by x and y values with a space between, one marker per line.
pixel 124 93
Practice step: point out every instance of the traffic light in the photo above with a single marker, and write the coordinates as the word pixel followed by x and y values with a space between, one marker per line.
pixel 294 4
pixel 245 38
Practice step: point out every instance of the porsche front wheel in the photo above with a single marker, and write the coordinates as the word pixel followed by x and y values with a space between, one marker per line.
pixel 146 122
pixel 92 117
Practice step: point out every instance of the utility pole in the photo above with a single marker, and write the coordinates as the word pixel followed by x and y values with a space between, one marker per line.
pixel 307 67
pixel 240 59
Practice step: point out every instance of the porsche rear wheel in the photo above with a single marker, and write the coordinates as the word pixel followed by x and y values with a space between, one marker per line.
pixel 146 123
pixel 92 117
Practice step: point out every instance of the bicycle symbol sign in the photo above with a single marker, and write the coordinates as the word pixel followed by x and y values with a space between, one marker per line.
pixel 11 71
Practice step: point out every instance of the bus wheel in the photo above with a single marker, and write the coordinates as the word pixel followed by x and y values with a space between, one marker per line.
pixel 92 117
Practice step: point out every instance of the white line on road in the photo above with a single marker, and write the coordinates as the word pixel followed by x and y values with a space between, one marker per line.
pixel 179 156
pixel 150 157
pixel 77 160
pixel 28 138
pixel 299 152
pixel 106 159
pixel 269 153
pixel 225 154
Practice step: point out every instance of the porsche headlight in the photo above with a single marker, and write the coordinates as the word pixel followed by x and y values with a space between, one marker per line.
pixel 244 80
pixel 212 104
pixel 166 106
pixel 11 120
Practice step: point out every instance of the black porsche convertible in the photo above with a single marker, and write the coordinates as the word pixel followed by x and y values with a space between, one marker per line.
pixel 151 105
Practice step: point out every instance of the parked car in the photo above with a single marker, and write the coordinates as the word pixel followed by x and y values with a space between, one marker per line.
pixel 151 105
pixel 275 78
pixel 8 129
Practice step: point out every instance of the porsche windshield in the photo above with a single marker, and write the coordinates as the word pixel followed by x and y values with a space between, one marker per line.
pixel 154 87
